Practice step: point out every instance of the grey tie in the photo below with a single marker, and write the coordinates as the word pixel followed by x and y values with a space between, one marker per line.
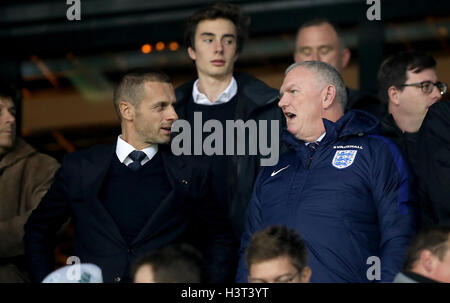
pixel 137 156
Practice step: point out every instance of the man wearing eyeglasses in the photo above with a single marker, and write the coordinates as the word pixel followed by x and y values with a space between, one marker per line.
pixel 409 84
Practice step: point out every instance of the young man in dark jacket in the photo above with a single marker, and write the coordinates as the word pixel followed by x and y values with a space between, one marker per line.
pixel 344 190
pixel 408 85
pixel 215 36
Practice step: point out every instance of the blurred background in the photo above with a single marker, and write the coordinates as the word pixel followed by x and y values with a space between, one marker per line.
pixel 67 69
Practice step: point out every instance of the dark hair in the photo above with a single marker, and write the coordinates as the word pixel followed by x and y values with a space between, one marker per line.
pixel 434 238
pixel 277 241
pixel 131 86
pixel 178 263
pixel 215 11
pixel 9 92
pixel 321 21
pixel 393 70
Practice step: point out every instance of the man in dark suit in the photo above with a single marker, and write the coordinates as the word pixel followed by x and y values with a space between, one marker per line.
pixel 131 197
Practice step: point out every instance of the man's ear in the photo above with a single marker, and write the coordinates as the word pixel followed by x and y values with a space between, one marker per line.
pixel 346 55
pixel 305 276
pixel 127 110
pixel 328 96
pixel 394 95
pixel 427 261
pixel 191 53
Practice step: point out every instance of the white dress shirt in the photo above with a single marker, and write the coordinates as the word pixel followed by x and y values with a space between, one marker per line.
pixel 123 150
pixel 318 139
pixel 224 97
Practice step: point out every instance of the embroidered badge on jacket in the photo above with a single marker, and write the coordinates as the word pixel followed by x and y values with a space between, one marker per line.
pixel 344 158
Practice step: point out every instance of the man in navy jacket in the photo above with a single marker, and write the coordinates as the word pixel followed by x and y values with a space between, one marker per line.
pixel 131 197
pixel 345 190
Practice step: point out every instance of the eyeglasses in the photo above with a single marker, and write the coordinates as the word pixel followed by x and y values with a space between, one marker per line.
pixel 428 86
pixel 280 279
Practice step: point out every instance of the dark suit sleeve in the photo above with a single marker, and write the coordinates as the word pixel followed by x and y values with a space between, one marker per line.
pixel 220 247
pixel 43 224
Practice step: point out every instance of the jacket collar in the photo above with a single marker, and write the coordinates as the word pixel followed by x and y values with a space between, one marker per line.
pixel 252 94
pixel 418 278
pixel 20 151
pixel 95 167
pixel 353 123
pixel 389 126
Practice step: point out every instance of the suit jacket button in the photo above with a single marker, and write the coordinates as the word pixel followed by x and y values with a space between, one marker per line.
pixel 117 279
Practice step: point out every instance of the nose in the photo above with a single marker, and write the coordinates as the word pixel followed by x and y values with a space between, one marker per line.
pixel 282 103
pixel 219 47
pixel 315 56
pixel 172 115
pixel 435 94
pixel 10 118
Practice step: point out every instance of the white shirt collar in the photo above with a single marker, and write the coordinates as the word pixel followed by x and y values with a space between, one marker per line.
pixel 318 139
pixel 224 97
pixel 123 149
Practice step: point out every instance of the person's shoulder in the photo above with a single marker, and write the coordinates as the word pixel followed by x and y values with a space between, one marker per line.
pixel 402 278
pixel 91 154
pixel 365 129
pixel 253 87
pixel 44 160
pixel 248 81
pixel 32 156
pixel 437 119
pixel 366 101
pixel 355 123
pixel 36 166
pixel 440 109
pixel 184 90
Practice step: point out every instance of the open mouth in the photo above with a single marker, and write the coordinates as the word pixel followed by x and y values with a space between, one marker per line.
pixel 289 116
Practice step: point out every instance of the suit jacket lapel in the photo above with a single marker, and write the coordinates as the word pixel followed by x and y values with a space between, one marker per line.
pixel 94 171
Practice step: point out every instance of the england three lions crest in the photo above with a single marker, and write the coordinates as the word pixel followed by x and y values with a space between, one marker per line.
pixel 344 158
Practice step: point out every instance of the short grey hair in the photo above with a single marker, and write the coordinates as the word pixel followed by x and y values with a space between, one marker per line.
pixel 328 74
